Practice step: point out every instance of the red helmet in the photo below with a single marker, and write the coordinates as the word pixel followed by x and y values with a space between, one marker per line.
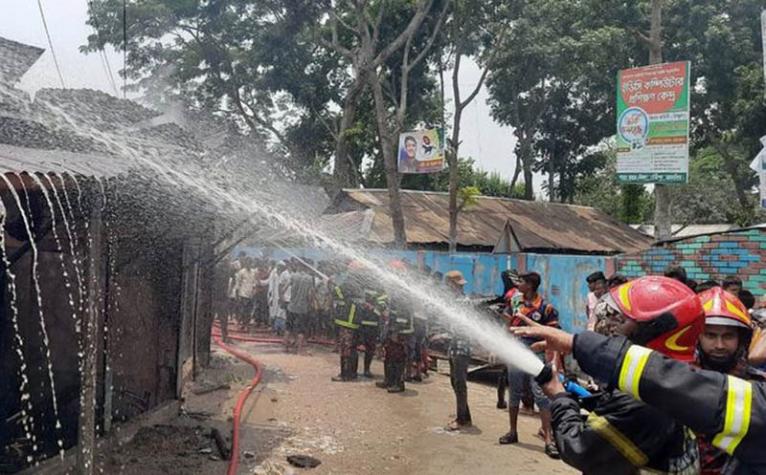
pixel 724 308
pixel 650 301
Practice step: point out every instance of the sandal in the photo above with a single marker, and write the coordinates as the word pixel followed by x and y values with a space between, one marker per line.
pixel 509 438
pixel 552 451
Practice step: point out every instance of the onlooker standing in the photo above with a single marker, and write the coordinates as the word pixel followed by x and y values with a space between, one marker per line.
pixel 323 299
pixel 284 298
pixel 459 358
pixel 261 295
pixel 597 286
pixel 299 308
pixel 273 295
pixel 732 284
pixel 532 308
pixel 244 284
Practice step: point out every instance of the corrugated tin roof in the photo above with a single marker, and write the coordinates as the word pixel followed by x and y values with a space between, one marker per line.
pixel 34 160
pixel 535 225
pixel 680 231
pixel 16 59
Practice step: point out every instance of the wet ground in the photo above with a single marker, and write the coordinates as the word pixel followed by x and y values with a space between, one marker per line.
pixel 352 428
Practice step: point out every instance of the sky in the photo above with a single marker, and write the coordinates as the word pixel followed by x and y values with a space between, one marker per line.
pixel 489 143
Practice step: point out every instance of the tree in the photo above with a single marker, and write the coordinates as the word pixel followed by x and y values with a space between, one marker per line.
pixel 251 61
pixel 389 86
pixel 628 203
pixel 553 82
pixel 467 36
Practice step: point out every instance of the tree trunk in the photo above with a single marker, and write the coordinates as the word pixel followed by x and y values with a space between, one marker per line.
pixel 525 152
pixel 389 160
pixel 662 218
pixel 345 173
pixel 551 180
pixel 452 156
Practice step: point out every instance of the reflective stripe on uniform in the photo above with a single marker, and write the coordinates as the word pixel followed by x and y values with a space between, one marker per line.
pixel 349 323
pixel 739 398
pixel 632 366
pixel 617 439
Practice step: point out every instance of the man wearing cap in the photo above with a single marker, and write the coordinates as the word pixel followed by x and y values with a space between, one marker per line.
pixel 459 357
pixel 535 309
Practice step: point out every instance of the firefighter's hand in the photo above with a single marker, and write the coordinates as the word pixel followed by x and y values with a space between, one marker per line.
pixel 553 387
pixel 555 339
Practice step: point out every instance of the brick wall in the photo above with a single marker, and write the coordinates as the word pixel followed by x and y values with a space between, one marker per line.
pixel 706 257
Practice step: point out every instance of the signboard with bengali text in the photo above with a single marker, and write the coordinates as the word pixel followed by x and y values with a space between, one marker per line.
pixel 653 124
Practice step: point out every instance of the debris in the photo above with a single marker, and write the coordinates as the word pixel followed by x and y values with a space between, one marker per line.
pixel 206 450
pixel 303 461
pixel 214 458
pixel 248 454
pixel 220 443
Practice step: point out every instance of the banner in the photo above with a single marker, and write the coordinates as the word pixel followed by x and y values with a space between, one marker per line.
pixel 421 151
pixel 653 124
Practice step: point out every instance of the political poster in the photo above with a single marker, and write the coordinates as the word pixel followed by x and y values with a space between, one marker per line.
pixel 421 151
pixel 653 124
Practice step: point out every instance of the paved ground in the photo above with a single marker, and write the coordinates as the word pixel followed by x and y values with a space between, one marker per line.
pixel 353 428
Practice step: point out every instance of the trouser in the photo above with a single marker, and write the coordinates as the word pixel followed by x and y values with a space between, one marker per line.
pixel 369 337
pixel 349 358
pixel 395 361
pixel 458 372
pixel 223 317
pixel 261 309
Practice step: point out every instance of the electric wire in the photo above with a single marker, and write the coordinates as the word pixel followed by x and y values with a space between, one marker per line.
pixel 50 43
pixel 102 53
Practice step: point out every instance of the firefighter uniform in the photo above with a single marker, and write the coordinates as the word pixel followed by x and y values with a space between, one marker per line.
pixel 399 328
pixel 730 411
pixel 347 319
pixel 375 304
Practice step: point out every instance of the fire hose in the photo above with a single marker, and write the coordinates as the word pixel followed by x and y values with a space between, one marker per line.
pixel 244 356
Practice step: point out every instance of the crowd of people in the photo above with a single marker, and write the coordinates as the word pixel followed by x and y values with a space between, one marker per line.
pixel 630 424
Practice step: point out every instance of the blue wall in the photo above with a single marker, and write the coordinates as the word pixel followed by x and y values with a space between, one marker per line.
pixel 563 277
pixel 564 285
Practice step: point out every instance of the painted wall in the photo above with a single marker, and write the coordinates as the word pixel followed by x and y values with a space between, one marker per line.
pixel 563 276
pixel 707 257
pixel 564 285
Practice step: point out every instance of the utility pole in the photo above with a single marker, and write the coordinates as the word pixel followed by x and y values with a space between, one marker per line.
pixel 662 219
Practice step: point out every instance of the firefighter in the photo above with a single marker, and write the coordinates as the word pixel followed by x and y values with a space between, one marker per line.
pixel 375 305
pixel 727 409
pixel 396 332
pixel 346 302
pixel 723 347
pixel 620 434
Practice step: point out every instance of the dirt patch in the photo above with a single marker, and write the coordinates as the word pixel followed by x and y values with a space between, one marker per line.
pixel 165 449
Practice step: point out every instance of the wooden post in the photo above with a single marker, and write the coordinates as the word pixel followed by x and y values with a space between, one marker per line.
pixel 87 429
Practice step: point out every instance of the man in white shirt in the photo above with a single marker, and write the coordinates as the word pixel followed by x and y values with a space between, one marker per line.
pixel 597 286
pixel 244 287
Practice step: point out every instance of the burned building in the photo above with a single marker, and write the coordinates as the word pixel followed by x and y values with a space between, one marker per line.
pixel 106 300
